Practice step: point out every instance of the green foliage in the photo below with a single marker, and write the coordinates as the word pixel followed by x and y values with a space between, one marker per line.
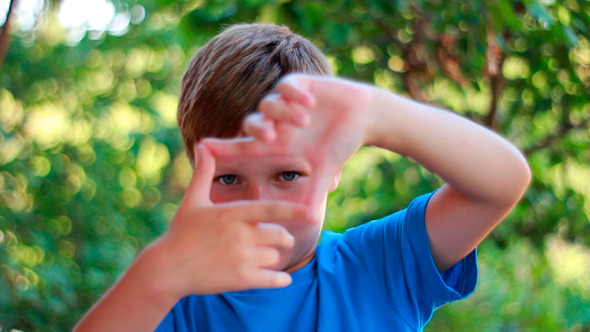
pixel 92 166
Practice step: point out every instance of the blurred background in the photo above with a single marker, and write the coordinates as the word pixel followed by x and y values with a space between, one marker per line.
pixel 92 166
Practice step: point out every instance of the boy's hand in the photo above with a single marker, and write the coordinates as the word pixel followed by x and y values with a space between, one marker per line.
pixel 336 111
pixel 225 247
pixel 325 120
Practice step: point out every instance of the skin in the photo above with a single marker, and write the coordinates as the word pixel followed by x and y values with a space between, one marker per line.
pixel 251 233
pixel 276 177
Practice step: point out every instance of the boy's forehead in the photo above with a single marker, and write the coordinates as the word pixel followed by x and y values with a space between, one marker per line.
pixel 283 162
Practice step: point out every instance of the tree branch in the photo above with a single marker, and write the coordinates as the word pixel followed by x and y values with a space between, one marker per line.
pixel 387 30
pixel 448 60
pixel 547 141
pixel 417 65
pixel 565 127
pixel 493 70
pixel 5 34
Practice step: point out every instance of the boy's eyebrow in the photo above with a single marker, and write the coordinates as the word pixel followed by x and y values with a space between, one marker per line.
pixel 293 164
pixel 282 164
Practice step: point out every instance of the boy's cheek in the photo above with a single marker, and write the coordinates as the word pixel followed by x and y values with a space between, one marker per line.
pixel 218 197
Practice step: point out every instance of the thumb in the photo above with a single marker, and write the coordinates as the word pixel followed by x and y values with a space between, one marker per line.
pixel 199 187
pixel 322 181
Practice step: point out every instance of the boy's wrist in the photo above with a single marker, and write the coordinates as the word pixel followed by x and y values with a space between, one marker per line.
pixel 136 302
pixel 397 123
pixel 383 121
pixel 150 273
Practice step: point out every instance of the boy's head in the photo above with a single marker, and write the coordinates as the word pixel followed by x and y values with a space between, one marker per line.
pixel 229 76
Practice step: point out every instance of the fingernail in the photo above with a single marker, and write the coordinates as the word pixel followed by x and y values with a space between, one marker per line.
pixel 309 101
pixel 291 241
pixel 269 135
pixel 302 119
pixel 283 280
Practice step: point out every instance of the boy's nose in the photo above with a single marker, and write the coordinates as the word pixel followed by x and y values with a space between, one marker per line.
pixel 257 192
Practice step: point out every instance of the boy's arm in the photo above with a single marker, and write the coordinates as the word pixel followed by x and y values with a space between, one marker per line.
pixel 485 175
pixel 134 303
pixel 207 249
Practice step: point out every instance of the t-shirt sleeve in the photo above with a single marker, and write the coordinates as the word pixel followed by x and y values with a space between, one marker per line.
pixel 396 253
pixel 179 319
pixel 167 324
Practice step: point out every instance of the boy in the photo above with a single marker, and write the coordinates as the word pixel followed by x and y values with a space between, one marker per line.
pixel 241 252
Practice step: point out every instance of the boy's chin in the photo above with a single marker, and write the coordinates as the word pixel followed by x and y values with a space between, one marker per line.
pixel 306 239
pixel 295 262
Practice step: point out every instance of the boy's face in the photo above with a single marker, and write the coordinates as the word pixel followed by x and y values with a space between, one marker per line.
pixel 286 177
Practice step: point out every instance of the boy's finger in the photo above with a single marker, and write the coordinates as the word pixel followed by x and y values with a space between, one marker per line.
pixel 274 235
pixel 234 147
pixel 280 109
pixel 247 147
pixel 322 181
pixel 266 278
pixel 260 127
pixel 292 90
pixel 272 211
pixel 199 187
pixel 267 257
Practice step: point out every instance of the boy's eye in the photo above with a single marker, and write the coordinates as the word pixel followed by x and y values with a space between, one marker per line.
pixel 289 176
pixel 227 179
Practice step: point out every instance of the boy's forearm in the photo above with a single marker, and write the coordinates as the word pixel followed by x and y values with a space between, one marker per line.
pixel 134 303
pixel 472 159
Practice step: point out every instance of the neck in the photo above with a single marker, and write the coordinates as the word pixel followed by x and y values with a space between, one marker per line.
pixel 302 262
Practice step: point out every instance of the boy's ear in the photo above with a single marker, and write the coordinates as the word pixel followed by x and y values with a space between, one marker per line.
pixel 334 184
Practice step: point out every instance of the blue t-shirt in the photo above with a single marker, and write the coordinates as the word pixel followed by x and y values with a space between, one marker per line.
pixel 375 277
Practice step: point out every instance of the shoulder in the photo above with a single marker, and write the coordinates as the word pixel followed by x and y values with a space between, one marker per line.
pixel 383 240
pixel 396 250
pixel 394 227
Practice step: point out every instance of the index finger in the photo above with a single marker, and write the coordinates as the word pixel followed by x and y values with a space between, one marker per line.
pixel 272 211
pixel 234 147
pixel 284 144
